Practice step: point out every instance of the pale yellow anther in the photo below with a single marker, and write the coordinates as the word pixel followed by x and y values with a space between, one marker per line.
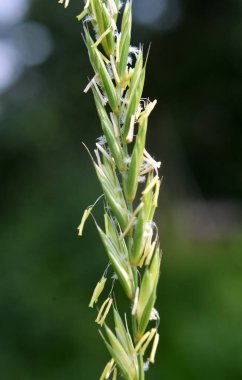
pixel 156 194
pixel 81 15
pixel 65 2
pixel 101 310
pixel 154 348
pixel 106 224
pixel 107 370
pixel 115 374
pixel 86 214
pixel 142 260
pixel 101 38
pixel 105 307
pixel 97 291
pixel 151 185
pixel 87 4
pixel 146 251
pixel 151 336
pixel 142 341
pixel 102 320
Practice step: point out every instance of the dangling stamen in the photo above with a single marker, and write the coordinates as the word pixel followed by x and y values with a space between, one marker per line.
pixel 154 348
pixel 97 291
pixel 147 336
pixel 101 318
pixel 151 336
pixel 86 214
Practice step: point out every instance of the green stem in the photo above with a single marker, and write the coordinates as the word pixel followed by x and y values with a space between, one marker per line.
pixel 141 368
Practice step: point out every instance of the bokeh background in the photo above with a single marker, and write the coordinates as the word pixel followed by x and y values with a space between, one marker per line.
pixel 47 180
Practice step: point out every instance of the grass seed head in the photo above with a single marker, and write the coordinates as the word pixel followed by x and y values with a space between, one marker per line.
pixel 123 165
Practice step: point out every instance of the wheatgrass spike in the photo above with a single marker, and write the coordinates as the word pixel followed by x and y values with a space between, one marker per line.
pixel 130 182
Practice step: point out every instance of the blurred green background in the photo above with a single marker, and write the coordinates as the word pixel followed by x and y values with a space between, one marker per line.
pixel 47 272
